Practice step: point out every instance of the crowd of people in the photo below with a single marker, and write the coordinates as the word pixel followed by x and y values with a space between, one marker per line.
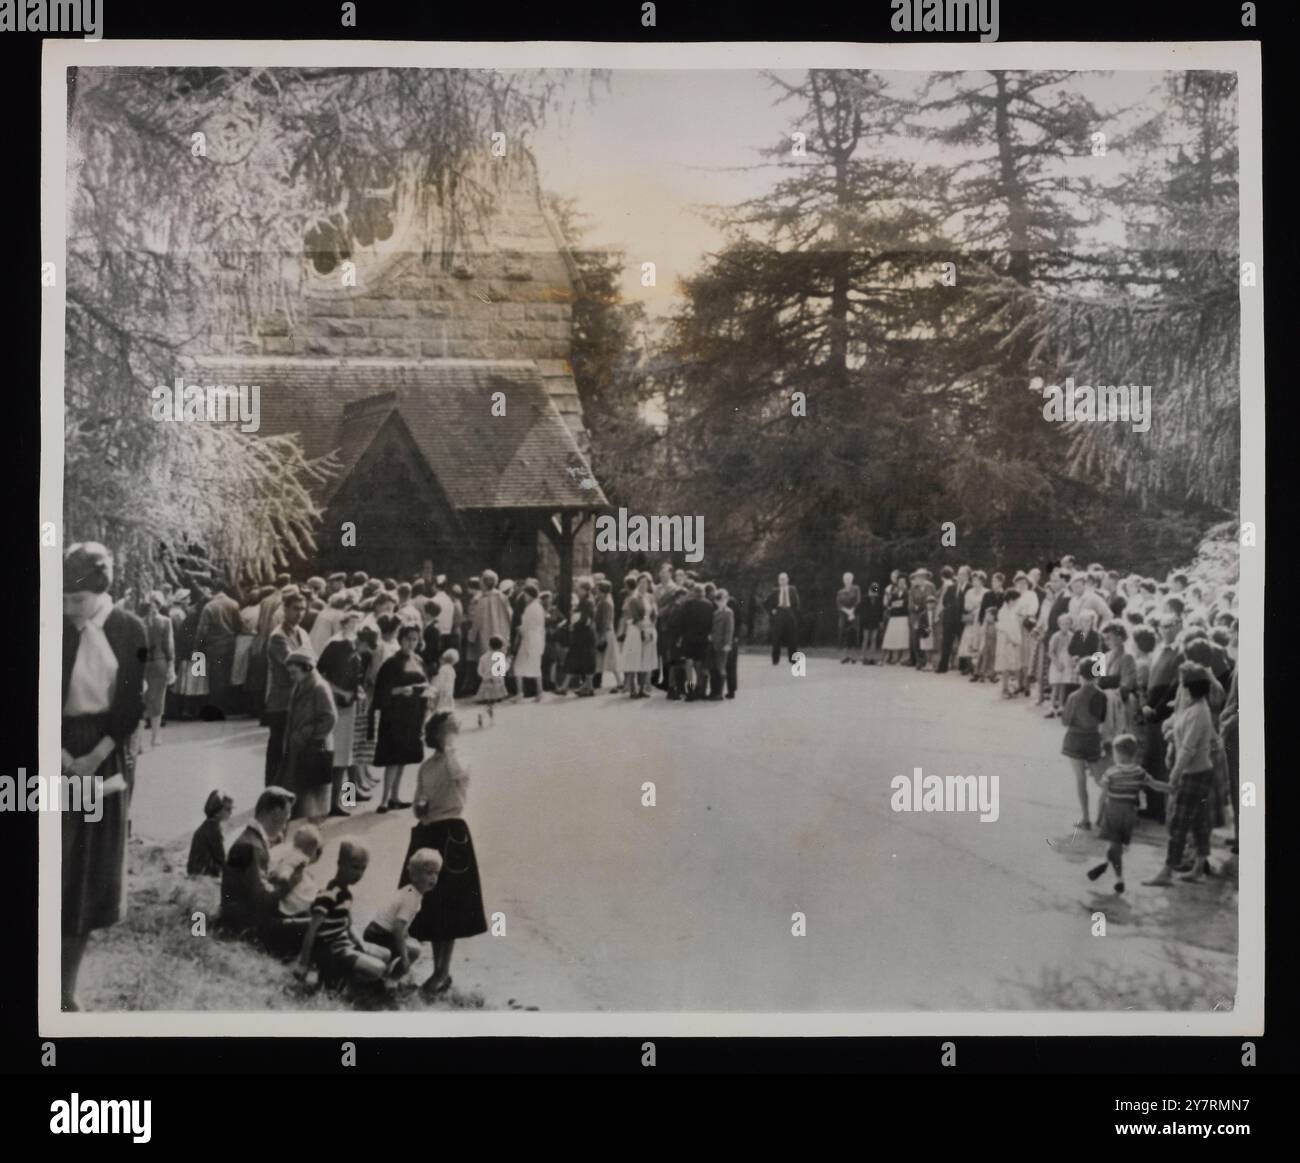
pixel 1141 674
pixel 357 678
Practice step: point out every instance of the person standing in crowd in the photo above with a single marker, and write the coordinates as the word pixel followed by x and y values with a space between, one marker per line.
pixel 722 638
pixel 628 636
pixel 1026 606
pixel 309 737
pixel 492 614
pixel 1229 732
pixel 664 595
pixel 286 639
pixel 847 602
pixel 471 652
pixel 972 633
pixel 1060 665
pixel 218 629
pixel 399 699
pixel 244 643
pixel 952 598
pixel 268 617
pixel 341 667
pixel 872 616
pixel 897 632
pixel 1191 779
pixel 444 618
pixel 580 663
pixel 607 645
pixel 1117 680
pixel 783 610
pixel 453 909
pixel 696 629
pixel 649 633
pixel 920 592
pixel 531 645
pixel 1162 691
pixel 327 621
pixel 160 667
pixel 192 678
pixel 104 653
pixel 1010 629
pixel 1083 715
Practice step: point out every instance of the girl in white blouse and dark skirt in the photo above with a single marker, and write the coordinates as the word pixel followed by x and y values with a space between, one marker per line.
pixel 104 654
pixel 454 907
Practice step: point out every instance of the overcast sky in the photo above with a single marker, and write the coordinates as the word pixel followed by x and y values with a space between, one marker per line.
pixel 655 145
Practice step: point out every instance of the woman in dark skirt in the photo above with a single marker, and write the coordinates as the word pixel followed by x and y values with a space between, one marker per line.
pixel 454 908
pixel 399 699
pixel 580 662
pixel 104 652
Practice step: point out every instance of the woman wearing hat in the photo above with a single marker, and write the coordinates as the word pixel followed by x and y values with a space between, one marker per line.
pixel 104 653
pixel 898 628
pixel 454 907
pixel 341 666
pixel 309 737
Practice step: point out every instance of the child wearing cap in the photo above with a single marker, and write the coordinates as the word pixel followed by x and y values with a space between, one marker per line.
pixel 208 846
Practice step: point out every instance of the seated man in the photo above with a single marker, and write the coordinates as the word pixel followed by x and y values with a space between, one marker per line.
pixel 249 897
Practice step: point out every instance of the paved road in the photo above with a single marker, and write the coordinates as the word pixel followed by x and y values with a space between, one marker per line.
pixel 776 803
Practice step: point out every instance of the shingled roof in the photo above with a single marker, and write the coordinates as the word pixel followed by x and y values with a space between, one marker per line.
pixel 526 459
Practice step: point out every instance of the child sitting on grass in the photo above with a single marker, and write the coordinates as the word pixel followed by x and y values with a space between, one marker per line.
pixel 331 951
pixel 303 848
pixel 1120 784
pixel 389 928
pixel 208 847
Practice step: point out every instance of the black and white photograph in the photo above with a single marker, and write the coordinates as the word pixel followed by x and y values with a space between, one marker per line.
pixel 766 539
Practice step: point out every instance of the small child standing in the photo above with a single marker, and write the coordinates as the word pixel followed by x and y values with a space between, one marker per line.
pixel 389 928
pixel 441 694
pixel 284 860
pixel 1120 784
pixel 492 667
pixel 208 847
pixel 330 947
pixel 1058 658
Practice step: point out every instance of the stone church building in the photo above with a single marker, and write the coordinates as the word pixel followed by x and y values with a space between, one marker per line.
pixel 441 384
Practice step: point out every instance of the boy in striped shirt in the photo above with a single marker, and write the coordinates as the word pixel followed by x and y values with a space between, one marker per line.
pixel 330 946
pixel 1120 784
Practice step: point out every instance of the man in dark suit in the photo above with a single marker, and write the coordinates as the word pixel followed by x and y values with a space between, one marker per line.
pixel 696 628
pixel 721 638
pixel 248 895
pixel 783 610
pixel 734 653
pixel 952 599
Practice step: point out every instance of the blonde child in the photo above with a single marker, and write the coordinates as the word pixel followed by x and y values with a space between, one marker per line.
pixel 1058 669
pixel 492 667
pixel 389 928
pixel 301 850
